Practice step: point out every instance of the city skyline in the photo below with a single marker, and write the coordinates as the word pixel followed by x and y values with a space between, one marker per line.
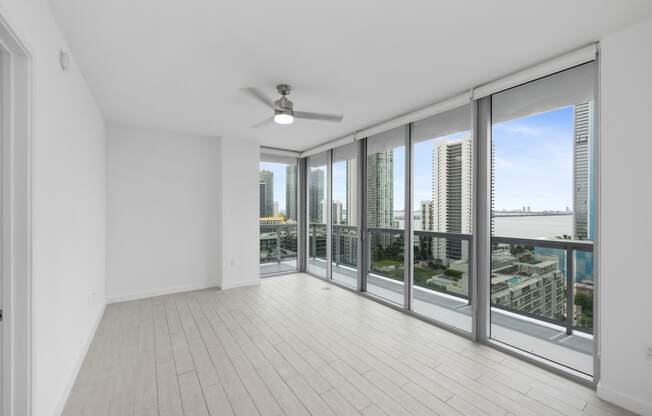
pixel 524 149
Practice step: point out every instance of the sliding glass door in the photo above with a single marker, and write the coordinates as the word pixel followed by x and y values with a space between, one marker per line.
pixel 542 220
pixel 344 215
pixel 480 218
pixel 317 214
pixel 278 214
pixel 385 246
pixel 442 166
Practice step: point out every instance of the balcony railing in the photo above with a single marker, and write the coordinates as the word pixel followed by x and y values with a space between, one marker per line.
pixel 278 242
pixel 441 262
pixel 545 279
pixel 345 245
pixel 317 241
pixel 549 280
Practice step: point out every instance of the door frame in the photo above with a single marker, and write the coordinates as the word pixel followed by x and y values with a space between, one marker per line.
pixel 15 213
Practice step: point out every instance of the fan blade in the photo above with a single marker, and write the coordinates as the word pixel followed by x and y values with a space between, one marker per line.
pixel 258 95
pixel 318 116
pixel 263 123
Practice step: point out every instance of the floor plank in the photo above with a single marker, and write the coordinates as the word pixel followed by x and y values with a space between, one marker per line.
pixel 288 347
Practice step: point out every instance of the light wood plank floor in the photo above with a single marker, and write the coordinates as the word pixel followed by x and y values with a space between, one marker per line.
pixel 298 346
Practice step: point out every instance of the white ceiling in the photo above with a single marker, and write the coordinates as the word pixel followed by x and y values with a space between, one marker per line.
pixel 179 65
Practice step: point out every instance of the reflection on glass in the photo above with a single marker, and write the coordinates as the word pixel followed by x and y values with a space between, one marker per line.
pixel 344 215
pixel 441 282
pixel 278 217
pixel 317 175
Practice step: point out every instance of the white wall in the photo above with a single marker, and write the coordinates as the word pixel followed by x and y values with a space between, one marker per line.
pixel 239 211
pixel 68 196
pixel 626 148
pixel 163 196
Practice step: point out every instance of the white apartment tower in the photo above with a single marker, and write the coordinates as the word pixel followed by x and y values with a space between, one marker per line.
pixel 582 170
pixel 451 194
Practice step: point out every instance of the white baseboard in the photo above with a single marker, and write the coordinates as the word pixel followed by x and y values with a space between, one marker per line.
pixel 241 283
pixel 625 401
pixel 80 360
pixel 158 292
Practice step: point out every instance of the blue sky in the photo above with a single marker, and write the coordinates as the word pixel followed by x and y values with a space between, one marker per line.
pixel 534 161
pixel 533 165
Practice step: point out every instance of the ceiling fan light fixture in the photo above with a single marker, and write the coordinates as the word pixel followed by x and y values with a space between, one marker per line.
pixel 283 118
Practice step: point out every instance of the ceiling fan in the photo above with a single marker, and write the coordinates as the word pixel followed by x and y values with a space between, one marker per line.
pixel 284 109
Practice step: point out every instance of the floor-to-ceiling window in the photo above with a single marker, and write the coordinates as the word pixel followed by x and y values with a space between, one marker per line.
pixel 344 215
pixel 386 215
pixel 278 214
pixel 317 214
pixel 442 178
pixel 480 217
pixel 543 217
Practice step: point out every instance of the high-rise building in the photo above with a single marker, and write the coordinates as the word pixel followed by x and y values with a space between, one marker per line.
pixel 582 171
pixel 380 195
pixel 451 195
pixel 583 187
pixel 291 192
pixel 266 193
pixel 425 220
pixel 351 192
pixel 316 193
pixel 263 190
pixel 337 213
pixel 514 279
pixel 380 189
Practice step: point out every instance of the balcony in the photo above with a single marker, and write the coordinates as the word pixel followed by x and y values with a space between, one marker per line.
pixel 278 248
pixel 530 283
pixel 555 320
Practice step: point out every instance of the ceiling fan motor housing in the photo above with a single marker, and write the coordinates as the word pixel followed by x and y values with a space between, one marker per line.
pixel 283 105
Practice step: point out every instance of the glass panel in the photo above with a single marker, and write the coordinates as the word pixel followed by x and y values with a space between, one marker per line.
pixel 583 291
pixel 316 212
pixel 441 283
pixel 278 216
pixel 442 164
pixel 528 304
pixel 344 213
pixel 385 211
pixel 385 277
pixel 542 181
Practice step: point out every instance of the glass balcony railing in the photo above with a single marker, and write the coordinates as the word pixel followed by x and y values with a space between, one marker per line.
pixel 345 255
pixel 386 274
pixel 547 280
pixel 317 241
pixel 278 247
pixel 441 277
pixel 345 245
pixel 542 298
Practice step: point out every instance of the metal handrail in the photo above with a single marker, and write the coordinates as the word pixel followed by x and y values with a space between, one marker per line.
pixel 282 225
pixel 581 245
pixel 385 230
pixel 447 235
